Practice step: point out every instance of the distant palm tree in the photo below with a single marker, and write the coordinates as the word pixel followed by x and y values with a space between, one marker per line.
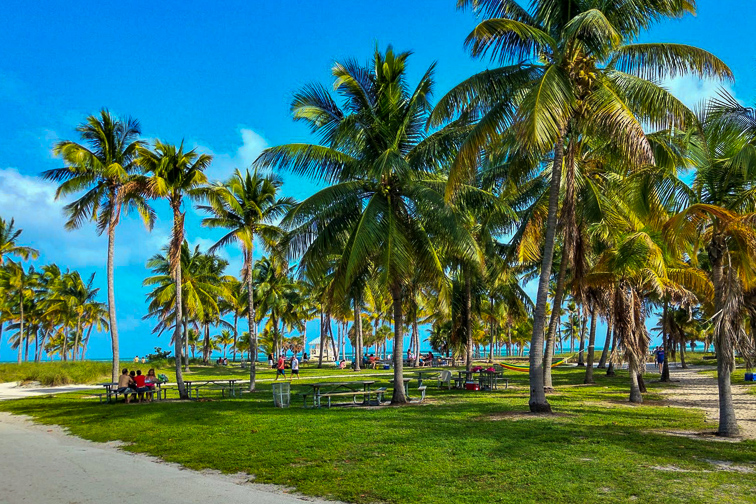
pixel 224 339
pixel 8 242
pixel 247 205
pixel 103 166
pixel 173 174
pixel 18 284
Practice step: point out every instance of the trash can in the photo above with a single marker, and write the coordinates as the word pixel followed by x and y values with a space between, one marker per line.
pixel 281 394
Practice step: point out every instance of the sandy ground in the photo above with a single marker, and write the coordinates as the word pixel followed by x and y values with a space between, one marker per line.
pixel 43 465
pixel 692 389
pixel 12 390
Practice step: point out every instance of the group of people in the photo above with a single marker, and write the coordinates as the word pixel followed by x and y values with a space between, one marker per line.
pixel 134 383
pixel 222 361
pixel 423 360
pixel 280 366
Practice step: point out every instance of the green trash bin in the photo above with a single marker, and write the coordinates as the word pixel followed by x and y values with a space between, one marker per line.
pixel 281 394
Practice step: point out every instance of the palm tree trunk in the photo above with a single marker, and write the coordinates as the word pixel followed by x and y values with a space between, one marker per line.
pixel 85 345
pixel 728 425
pixel 21 326
pixel 665 342
pixel 186 344
pixel 538 402
pixel 610 369
pixel 206 345
pixel 682 353
pixel 322 338
pixel 607 342
pixel 554 321
pixel 236 334
pixel 591 343
pixel 251 319
pixel 78 334
pixel 416 339
pixel 111 293
pixel 635 392
pixel 177 343
pixel 357 333
pixel 468 319
pixel 581 348
pixel 399 397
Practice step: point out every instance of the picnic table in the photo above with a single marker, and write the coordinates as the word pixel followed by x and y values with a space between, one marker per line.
pixel 406 381
pixel 224 385
pixel 421 375
pixel 328 390
pixel 489 380
pixel 111 391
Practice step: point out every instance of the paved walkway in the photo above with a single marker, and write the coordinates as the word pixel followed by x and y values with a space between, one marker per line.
pixel 40 464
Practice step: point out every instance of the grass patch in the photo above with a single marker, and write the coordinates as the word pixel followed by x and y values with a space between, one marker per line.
pixel 460 446
pixel 56 373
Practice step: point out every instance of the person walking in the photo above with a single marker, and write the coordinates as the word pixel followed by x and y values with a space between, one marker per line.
pixel 294 367
pixel 280 367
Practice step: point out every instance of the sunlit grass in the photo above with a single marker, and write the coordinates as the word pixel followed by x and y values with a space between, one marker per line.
pixel 458 447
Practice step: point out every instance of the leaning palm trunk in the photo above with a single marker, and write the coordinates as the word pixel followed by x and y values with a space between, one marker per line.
pixel 591 344
pixel 111 296
pixel 398 397
pixel 607 344
pixel 77 339
pixel 665 343
pixel 554 321
pixel 177 343
pixel 538 402
pixel 322 339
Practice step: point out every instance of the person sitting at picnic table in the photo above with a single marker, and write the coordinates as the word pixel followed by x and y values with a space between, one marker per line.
pixel 294 367
pixel 429 359
pixel 141 384
pixel 281 367
pixel 305 358
pixel 151 381
pixel 125 384
pixel 271 362
pixel 372 361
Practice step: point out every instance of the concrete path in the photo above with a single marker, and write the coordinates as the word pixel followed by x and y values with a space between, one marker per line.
pixel 41 464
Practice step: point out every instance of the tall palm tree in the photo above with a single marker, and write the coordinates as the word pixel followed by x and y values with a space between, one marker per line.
pixel 103 166
pixel 174 173
pixel 720 219
pixel 247 205
pixel 384 173
pixel 570 69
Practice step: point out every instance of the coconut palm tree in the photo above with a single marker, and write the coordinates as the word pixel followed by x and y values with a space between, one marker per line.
pixel 570 69
pixel 18 284
pixel 247 206
pixel 103 167
pixel 384 173
pixel 72 296
pixel 173 173
pixel 720 219
pixel 9 242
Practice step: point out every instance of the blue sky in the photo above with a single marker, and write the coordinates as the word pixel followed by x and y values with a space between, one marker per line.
pixel 222 80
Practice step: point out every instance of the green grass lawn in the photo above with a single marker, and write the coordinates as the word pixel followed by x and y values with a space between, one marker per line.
pixel 458 447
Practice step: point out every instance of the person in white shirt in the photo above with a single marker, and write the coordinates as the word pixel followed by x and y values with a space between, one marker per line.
pixel 294 367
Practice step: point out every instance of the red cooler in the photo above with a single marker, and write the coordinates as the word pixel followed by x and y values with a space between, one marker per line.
pixel 472 386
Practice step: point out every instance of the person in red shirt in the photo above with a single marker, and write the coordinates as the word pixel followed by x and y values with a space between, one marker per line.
pixel 140 383
pixel 280 367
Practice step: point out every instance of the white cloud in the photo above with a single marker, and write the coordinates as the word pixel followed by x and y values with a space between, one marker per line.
pixel 31 202
pixel 693 91
pixel 252 144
